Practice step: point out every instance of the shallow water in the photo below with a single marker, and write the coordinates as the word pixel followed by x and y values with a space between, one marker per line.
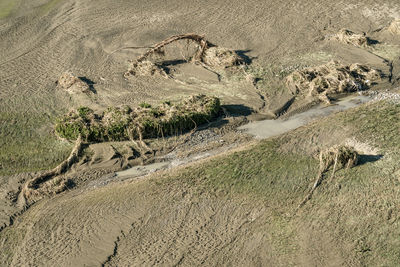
pixel 268 128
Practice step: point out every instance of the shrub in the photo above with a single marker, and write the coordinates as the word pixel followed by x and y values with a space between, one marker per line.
pixel 144 105
pixel 123 123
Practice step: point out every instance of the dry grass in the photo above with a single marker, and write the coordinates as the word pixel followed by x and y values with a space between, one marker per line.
pixel 348 37
pixel 394 27
pixel 73 84
pixel 49 182
pixel 147 68
pixel 220 57
pixel 205 53
pixel 331 79
pixel 336 156
pixel 359 209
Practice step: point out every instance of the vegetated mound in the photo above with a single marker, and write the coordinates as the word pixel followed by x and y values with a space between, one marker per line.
pixel 72 83
pixel 330 79
pixel 394 27
pixel 204 53
pixel 123 123
pixel 348 37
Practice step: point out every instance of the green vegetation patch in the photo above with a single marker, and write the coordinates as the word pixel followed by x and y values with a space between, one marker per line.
pixel 49 5
pixel 6 7
pixel 357 207
pixel 377 122
pixel 123 123
pixel 27 143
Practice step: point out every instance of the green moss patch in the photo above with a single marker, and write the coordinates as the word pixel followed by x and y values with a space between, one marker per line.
pixel 123 123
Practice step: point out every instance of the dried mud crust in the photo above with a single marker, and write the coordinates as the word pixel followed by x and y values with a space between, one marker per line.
pixel 78 36
pixel 323 82
pixel 95 165
pixel 87 29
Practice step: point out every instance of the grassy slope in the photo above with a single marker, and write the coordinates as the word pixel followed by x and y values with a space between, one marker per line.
pixel 26 141
pixel 6 7
pixel 357 211
pixel 28 144
pixel 359 207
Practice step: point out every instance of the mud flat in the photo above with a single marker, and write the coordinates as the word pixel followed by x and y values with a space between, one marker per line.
pixel 268 128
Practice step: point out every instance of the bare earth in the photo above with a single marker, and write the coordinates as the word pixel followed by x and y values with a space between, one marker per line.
pixel 157 219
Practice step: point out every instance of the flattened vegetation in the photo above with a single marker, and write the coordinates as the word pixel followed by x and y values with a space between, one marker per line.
pixel 348 37
pixel 331 79
pixel 394 27
pixel 204 52
pixel 73 84
pixel 358 209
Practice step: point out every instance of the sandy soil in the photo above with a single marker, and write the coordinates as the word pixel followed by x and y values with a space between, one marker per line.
pixel 140 222
pixel 40 43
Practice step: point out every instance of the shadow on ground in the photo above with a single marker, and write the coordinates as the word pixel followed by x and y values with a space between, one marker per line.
pixel 363 159
pixel 238 110
pixel 90 83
